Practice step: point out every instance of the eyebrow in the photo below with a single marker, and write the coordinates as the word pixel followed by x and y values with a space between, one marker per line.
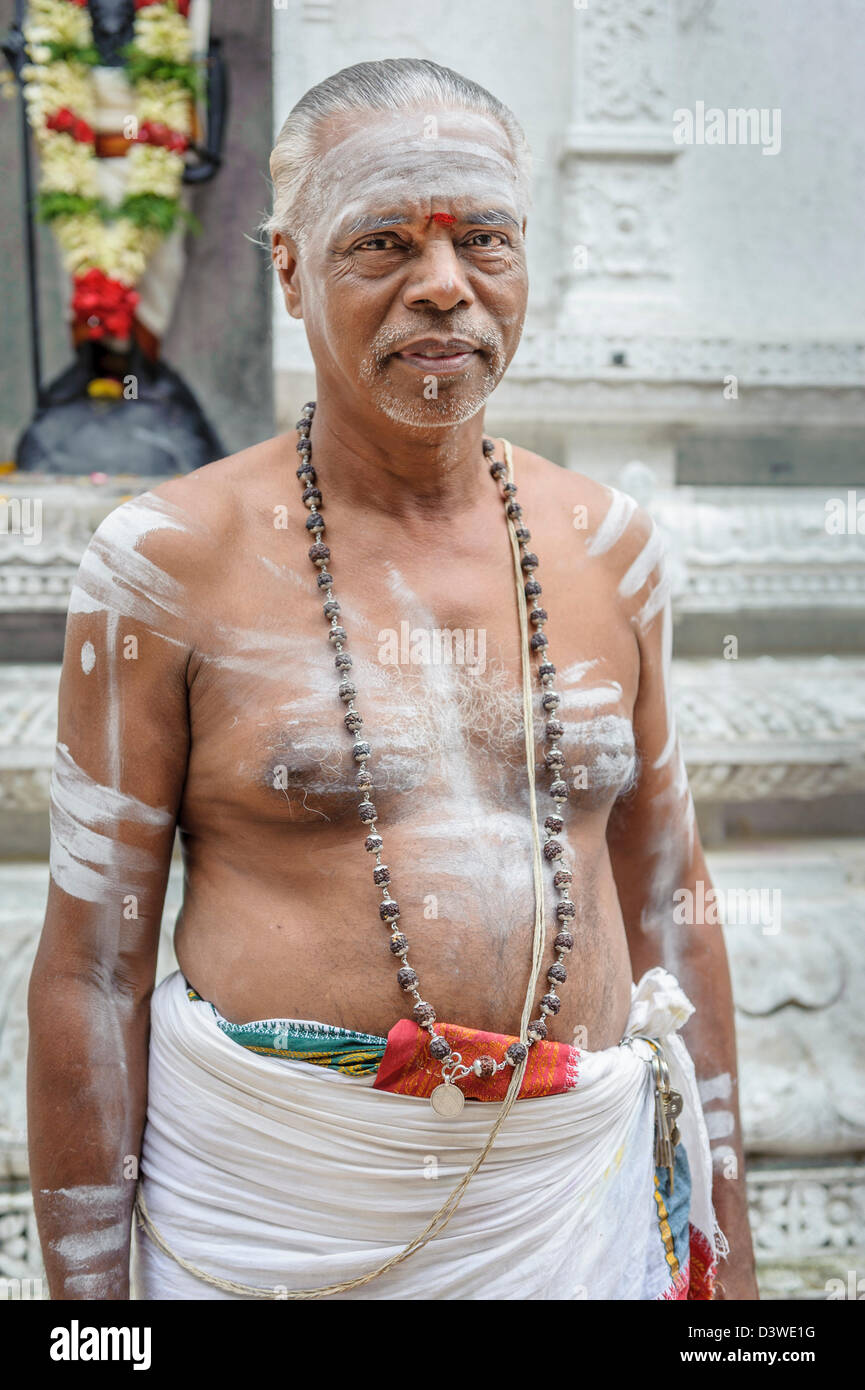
pixel 490 217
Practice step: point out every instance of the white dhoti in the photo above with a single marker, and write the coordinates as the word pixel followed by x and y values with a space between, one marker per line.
pixel 285 1175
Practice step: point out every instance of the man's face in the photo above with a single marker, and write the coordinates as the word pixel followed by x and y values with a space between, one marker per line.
pixel 413 230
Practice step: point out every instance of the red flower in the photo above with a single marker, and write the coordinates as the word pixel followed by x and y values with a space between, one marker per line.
pixel 156 133
pixel 66 121
pixel 182 5
pixel 103 305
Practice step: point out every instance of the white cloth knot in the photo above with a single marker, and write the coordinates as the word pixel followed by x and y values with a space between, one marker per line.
pixel 659 1006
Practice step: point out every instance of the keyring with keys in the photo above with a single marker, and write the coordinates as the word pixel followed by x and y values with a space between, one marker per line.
pixel 668 1107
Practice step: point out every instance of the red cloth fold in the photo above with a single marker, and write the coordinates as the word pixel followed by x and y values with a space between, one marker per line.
pixel 408 1069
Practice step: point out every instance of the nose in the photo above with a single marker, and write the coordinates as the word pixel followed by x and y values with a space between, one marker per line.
pixel 437 278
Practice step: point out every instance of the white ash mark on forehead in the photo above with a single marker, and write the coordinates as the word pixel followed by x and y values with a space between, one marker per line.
pixel 394 156
pixel 391 134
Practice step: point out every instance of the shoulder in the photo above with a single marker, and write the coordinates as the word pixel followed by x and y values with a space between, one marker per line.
pixel 614 532
pixel 612 525
pixel 183 524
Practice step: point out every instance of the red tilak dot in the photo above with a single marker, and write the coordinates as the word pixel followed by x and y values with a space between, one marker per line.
pixel 446 217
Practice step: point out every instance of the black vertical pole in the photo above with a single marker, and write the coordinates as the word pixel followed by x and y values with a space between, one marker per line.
pixel 15 53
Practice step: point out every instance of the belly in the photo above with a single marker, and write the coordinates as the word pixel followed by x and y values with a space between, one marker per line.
pixel 285 923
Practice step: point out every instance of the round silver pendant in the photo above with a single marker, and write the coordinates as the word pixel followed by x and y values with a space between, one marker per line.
pixel 447 1101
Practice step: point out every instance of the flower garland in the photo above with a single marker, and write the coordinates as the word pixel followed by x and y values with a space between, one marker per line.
pixel 106 247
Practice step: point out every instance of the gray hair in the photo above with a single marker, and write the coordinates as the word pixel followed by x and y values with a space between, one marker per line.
pixel 391 84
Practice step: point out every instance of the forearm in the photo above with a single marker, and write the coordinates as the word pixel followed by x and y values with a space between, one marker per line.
pixel 86 1108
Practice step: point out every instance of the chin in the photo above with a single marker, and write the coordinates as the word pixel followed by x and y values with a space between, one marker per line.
pixel 429 414
pixel 457 402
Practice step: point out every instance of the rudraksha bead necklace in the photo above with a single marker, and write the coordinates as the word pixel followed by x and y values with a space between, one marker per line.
pixel 448 1099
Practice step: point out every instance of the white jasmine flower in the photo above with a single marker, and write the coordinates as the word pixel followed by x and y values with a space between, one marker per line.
pixel 163 33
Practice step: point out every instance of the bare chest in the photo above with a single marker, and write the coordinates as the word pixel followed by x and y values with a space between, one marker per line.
pixel 435 646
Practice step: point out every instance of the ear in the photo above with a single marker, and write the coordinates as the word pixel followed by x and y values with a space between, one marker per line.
pixel 284 255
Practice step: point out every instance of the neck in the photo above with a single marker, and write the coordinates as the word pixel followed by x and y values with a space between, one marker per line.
pixel 372 463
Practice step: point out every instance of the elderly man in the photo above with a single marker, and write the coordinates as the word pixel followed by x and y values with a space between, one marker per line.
pixel 404 691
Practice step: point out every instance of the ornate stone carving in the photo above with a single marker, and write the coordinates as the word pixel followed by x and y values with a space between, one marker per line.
pixel 797 1213
pixel 772 727
pixel 623 216
pixel 623 60
pixel 20 1256
pixel 17 948
pixel 45 526
pixel 736 549
pixel 565 354
pixel 798 978
pixel 690 13
pixel 617 156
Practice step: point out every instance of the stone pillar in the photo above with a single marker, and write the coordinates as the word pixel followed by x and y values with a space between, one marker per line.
pixel 618 170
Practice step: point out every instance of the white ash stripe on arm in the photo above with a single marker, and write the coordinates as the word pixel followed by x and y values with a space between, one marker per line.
pixel 86 859
pixel 614 524
pixel 636 576
pixel 656 600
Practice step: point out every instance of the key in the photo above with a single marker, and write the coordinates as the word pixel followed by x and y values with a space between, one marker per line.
pixel 663 1145
pixel 674 1105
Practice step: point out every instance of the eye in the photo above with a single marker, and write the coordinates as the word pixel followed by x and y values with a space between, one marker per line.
pixel 489 245
pixel 382 242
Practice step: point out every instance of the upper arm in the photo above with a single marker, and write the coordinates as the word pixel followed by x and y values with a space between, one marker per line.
pixel 652 833
pixel 122 745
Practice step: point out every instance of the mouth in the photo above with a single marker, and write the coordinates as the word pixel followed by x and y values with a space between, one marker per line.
pixel 437 355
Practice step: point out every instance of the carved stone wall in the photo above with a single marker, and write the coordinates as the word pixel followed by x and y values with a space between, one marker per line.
pixel 617 165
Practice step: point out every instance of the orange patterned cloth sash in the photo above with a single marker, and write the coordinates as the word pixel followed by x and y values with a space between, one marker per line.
pixel 408 1069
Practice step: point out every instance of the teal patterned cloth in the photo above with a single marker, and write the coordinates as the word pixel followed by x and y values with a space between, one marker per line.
pixel 356 1054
